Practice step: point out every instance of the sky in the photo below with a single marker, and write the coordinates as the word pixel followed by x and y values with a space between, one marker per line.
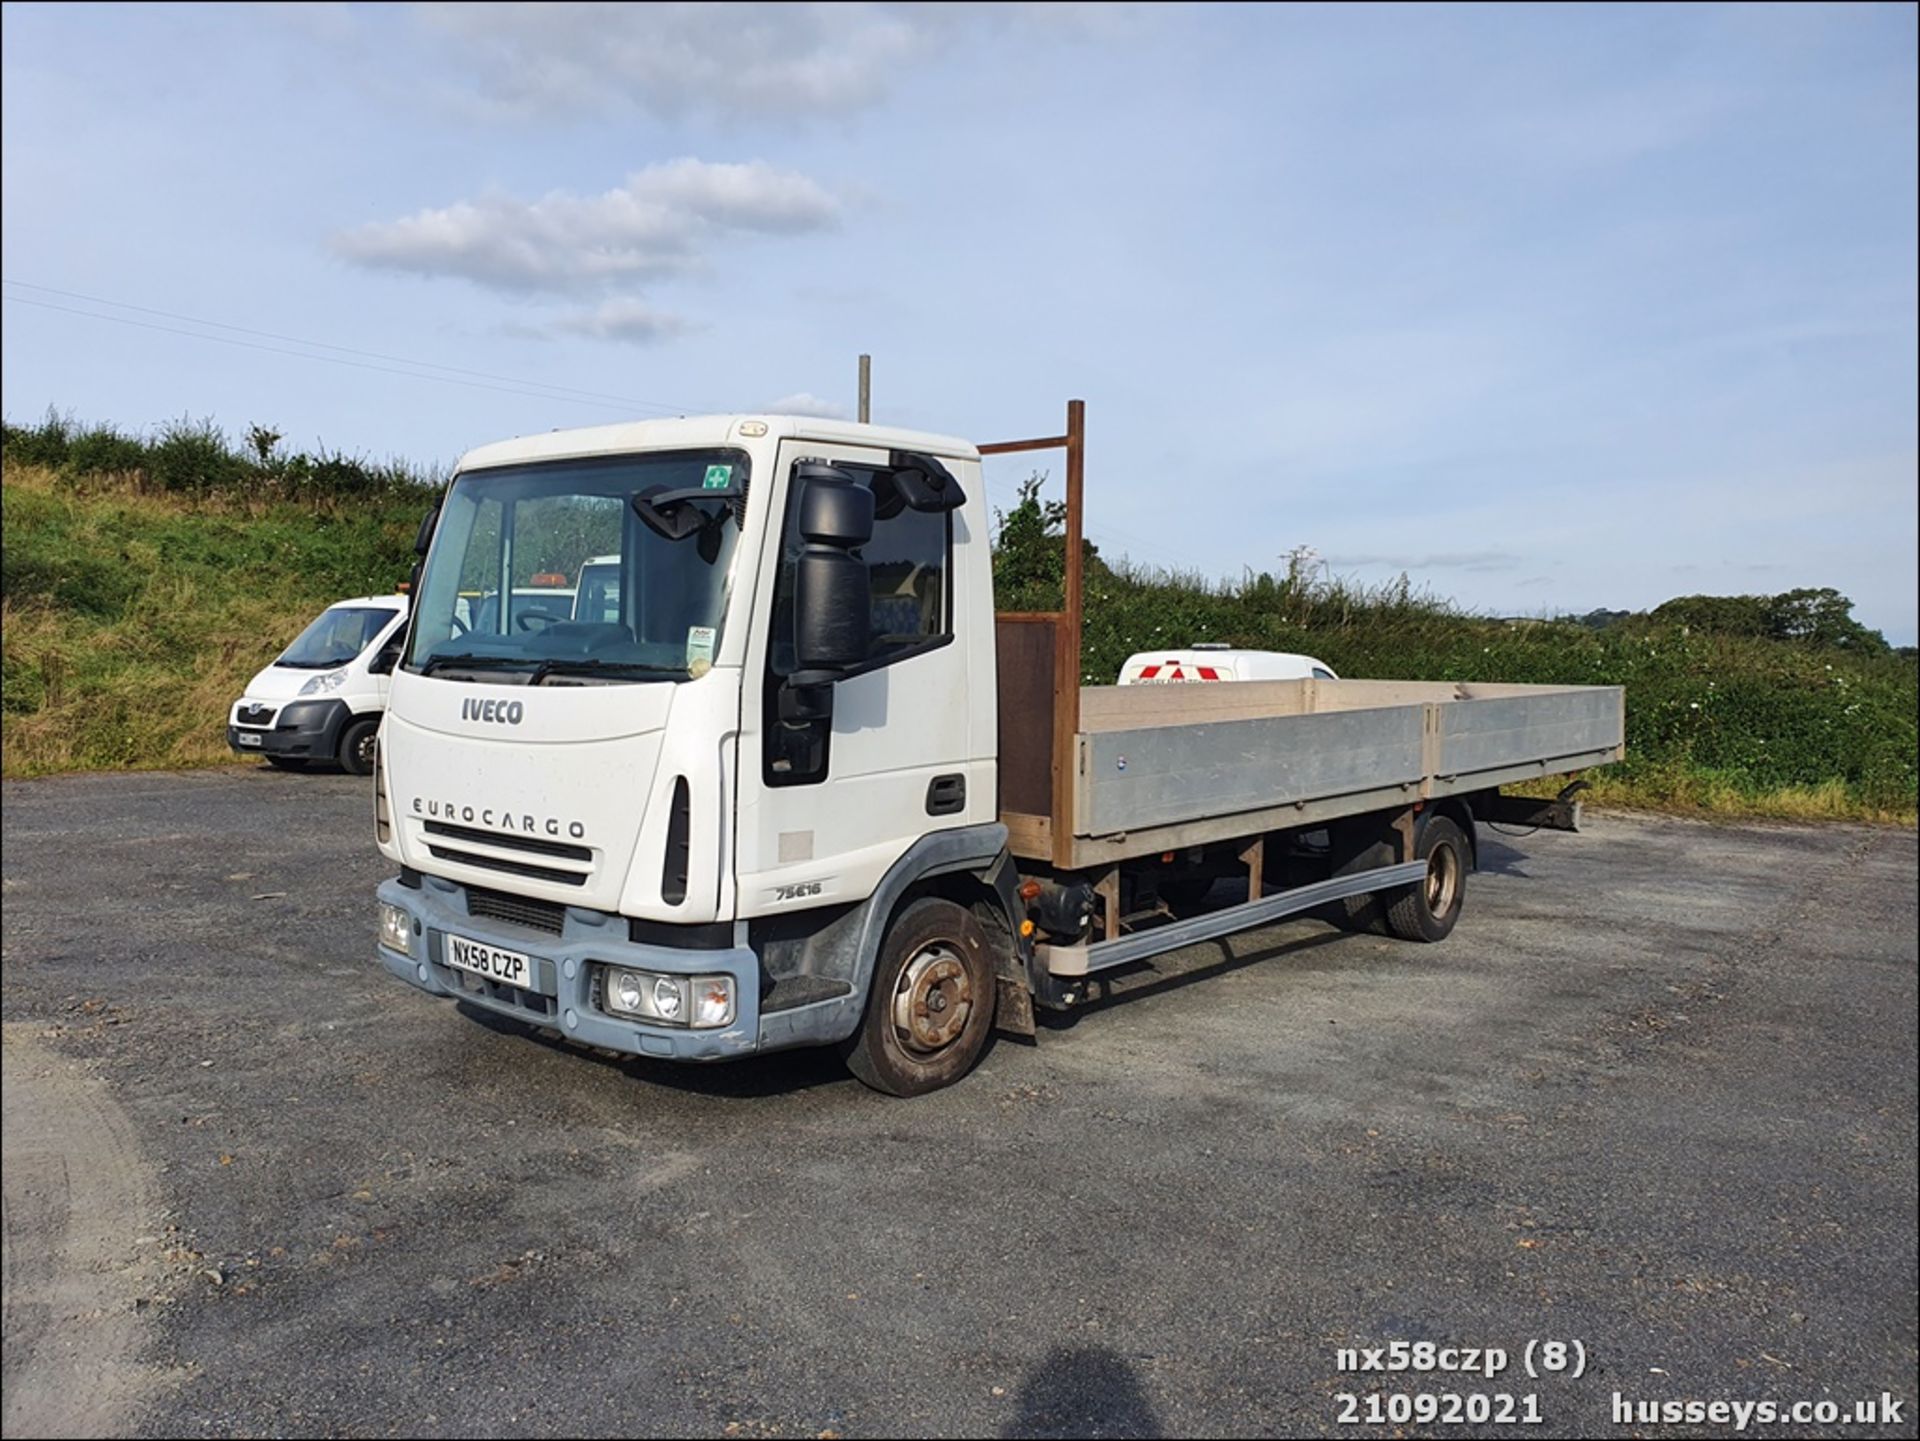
pixel 1552 309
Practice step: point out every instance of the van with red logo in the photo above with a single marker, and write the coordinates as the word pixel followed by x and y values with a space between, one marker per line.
pixel 1205 662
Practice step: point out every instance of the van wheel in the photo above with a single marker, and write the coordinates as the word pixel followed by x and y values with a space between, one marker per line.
pixel 930 1006
pixel 356 746
pixel 1427 910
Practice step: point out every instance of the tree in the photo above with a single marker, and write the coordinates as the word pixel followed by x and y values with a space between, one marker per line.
pixel 1817 617
pixel 1822 617
pixel 1030 551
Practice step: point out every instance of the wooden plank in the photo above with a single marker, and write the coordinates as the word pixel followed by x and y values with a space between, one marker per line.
pixel 1138 707
pixel 1026 654
pixel 1029 837
pixel 1066 722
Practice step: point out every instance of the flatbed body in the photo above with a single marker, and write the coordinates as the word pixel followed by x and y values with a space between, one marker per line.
pixel 1146 770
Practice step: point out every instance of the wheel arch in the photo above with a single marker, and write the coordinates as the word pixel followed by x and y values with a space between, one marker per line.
pixel 1457 810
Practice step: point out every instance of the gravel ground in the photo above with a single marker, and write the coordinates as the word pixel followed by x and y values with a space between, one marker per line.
pixel 1656 1095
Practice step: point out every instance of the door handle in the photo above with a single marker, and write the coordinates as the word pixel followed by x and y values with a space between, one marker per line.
pixel 946 795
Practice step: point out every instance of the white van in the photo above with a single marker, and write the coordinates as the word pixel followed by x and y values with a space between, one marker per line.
pixel 1206 662
pixel 322 699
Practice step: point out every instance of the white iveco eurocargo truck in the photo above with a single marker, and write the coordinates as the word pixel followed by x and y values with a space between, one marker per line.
pixel 790 781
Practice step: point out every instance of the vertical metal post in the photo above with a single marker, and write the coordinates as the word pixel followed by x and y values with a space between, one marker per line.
pixel 866 389
pixel 1075 582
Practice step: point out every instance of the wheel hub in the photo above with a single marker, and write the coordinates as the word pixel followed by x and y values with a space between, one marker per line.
pixel 1443 880
pixel 933 1000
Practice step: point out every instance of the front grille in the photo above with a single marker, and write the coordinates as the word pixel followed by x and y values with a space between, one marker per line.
pixel 255 715
pixel 518 868
pixel 529 1004
pixel 508 841
pixel 548 916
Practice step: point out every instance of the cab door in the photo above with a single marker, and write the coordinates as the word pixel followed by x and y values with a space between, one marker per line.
pixel 827 806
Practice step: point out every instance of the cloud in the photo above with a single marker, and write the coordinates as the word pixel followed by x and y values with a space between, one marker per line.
pixel 619 319
pixel 804 402
pixel 660 222
pixel 1477 560
pixel 724 59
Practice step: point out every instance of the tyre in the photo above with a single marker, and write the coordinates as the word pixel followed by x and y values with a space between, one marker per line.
pixel 286 763
pixel 1426 911
pixel 930 1007
pixel 356 745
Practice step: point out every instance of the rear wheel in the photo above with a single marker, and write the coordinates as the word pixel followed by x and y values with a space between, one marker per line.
pixel 1427 910
pixel 356 745
pixel 930 1006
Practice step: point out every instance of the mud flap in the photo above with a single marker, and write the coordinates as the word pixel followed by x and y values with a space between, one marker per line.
pixel 1014 1013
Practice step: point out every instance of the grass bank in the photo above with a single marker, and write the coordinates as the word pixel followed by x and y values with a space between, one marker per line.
pixel 146 579
pixel 132 619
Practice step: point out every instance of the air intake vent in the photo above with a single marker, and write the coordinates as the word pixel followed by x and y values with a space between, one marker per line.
pixel 521 910
pixel 673 873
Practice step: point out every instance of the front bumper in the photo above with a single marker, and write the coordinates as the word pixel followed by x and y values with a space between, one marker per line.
pixel 562 993
pixel 303 730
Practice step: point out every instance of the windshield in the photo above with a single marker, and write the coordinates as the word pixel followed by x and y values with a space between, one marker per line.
pixel 592 590
pixel 336 637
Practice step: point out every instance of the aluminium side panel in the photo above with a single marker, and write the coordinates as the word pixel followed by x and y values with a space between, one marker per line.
pixel 1132 780
pixel 1487 735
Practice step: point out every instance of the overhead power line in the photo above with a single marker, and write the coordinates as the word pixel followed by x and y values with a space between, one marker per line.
pixel 519 385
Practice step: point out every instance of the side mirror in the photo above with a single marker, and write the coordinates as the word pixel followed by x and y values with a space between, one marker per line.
pixel 924 483
pixel 423 537
pixel 833 599
pixel 383 663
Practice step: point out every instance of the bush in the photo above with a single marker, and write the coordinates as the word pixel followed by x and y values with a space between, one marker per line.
pixel 1743 698
pixel 196 458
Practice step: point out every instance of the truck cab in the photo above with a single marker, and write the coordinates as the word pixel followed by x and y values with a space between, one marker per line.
pixel 769 715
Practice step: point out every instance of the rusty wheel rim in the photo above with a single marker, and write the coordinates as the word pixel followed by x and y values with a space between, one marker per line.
pixel 365 749
pixel 933 999
pixel 1443 880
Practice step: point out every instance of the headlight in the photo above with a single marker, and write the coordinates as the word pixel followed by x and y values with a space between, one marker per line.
pixel 321 684
pixel 704 1002
pixel 396 929
pixel 670 998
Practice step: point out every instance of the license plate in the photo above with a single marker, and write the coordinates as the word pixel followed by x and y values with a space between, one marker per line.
pixel 510 967
pixel 247 739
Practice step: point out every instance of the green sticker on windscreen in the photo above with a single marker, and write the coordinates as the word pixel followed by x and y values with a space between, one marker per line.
pixel 719 477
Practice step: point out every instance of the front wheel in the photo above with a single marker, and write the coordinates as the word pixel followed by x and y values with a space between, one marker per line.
pixel 356 745
pixel 1427 910
pixel 930 1006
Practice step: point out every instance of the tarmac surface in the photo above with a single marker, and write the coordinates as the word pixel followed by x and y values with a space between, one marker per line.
pixel 1656 1096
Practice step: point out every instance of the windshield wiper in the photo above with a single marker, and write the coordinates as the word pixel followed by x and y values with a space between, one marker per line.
pixel 491 662
pixel 587 665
